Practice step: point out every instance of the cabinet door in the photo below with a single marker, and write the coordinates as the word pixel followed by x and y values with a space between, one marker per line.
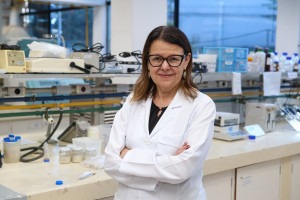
pixel 259 181
pixel 295 178
pixel 220 185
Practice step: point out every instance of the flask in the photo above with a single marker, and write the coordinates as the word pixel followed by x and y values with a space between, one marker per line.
pixel 82 126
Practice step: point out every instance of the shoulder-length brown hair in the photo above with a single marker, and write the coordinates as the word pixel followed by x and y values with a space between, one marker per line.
pixel 145 86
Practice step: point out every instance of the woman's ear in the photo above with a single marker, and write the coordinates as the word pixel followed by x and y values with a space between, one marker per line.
pixel 187 59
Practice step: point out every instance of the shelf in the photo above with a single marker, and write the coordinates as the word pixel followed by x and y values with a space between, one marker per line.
pixel 65 75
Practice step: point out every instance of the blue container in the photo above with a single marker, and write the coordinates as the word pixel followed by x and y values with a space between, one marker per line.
pixel 229 59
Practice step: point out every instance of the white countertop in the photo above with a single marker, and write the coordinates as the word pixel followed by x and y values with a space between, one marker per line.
pixel 37 179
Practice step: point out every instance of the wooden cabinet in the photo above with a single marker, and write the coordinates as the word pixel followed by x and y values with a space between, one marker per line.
pixel 295 178
pixel 220 185
pixel 258 181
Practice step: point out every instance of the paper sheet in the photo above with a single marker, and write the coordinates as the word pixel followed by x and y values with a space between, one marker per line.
pixel 236 83
pixel 272 82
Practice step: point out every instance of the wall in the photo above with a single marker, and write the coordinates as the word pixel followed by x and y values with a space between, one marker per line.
pixel 288 29
pixel 132 20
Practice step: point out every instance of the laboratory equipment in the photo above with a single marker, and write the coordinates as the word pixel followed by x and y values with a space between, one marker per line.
pixel 227 127
pixel 90 58
pixel 230 136
pixel 13 61
pixel 263 114
pixel 227 119
pixel 291 114
pixel 55 65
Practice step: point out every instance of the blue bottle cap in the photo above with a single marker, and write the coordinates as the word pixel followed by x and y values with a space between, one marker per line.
pixel 11 135
pixel 46 160
pixel 18 137
pixel 59 182
pixel 252 137
pixel 6 139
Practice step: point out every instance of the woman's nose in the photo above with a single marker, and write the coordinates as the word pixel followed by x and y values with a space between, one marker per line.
pixel 165 65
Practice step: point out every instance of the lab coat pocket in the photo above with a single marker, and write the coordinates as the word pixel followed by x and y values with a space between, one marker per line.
pixel 168 144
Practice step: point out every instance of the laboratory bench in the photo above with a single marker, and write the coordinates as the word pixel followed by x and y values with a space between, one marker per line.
pixel 231 168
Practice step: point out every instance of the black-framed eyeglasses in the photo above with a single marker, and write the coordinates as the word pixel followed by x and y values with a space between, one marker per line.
pixel 173 60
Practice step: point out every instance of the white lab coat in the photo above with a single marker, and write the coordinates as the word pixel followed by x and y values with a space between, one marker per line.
pixel 151 170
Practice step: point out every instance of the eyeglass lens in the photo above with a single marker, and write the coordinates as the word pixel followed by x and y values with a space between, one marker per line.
pixel 173 61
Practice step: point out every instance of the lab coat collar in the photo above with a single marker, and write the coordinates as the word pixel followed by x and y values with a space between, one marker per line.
pixel 173 110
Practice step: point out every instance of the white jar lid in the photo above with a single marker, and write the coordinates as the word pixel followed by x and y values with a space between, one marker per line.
pixel 65 149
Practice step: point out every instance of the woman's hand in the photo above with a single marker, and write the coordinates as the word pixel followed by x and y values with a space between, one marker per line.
pixel 123 152
pixel 184 147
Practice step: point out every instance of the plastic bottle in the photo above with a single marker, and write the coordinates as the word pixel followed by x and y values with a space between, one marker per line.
pixel 296 66
pixel 282 60
pixel 275 57
pixel 82 126
pixel 46 152
pixel 251 65
pixel 252 138
pixel 295 58
pixel 260 59
pixel 11 150
pixel 288 65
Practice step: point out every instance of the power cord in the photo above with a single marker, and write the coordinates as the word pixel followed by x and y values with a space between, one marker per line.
pixel 136 54
pixel 9 47
pixel 39 149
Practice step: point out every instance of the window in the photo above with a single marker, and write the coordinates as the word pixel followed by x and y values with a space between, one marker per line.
pixel 227 23
pixel 73 23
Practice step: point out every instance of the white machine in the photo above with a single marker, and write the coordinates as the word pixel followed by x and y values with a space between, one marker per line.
pixel 227 127
pixel 13 61
pixel 263 114
pixel 55 65
pixel 89 58
pixel 227 119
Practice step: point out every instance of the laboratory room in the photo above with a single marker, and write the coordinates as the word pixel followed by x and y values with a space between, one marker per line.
pixel 100 100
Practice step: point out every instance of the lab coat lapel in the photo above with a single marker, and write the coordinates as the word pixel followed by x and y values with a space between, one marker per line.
pixel 147 108
pixel 172 111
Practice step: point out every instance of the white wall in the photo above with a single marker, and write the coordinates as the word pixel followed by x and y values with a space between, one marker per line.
pixel 99 24
pixel 288 26
pixel 132 20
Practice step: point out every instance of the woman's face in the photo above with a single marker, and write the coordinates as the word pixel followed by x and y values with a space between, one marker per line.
pixel 166 77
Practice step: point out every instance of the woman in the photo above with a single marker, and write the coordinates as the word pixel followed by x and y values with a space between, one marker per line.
pixel 162 134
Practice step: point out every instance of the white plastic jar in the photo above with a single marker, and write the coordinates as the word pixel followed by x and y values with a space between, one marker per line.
pixel 90 152
pixel 65 155
pixel 77 154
